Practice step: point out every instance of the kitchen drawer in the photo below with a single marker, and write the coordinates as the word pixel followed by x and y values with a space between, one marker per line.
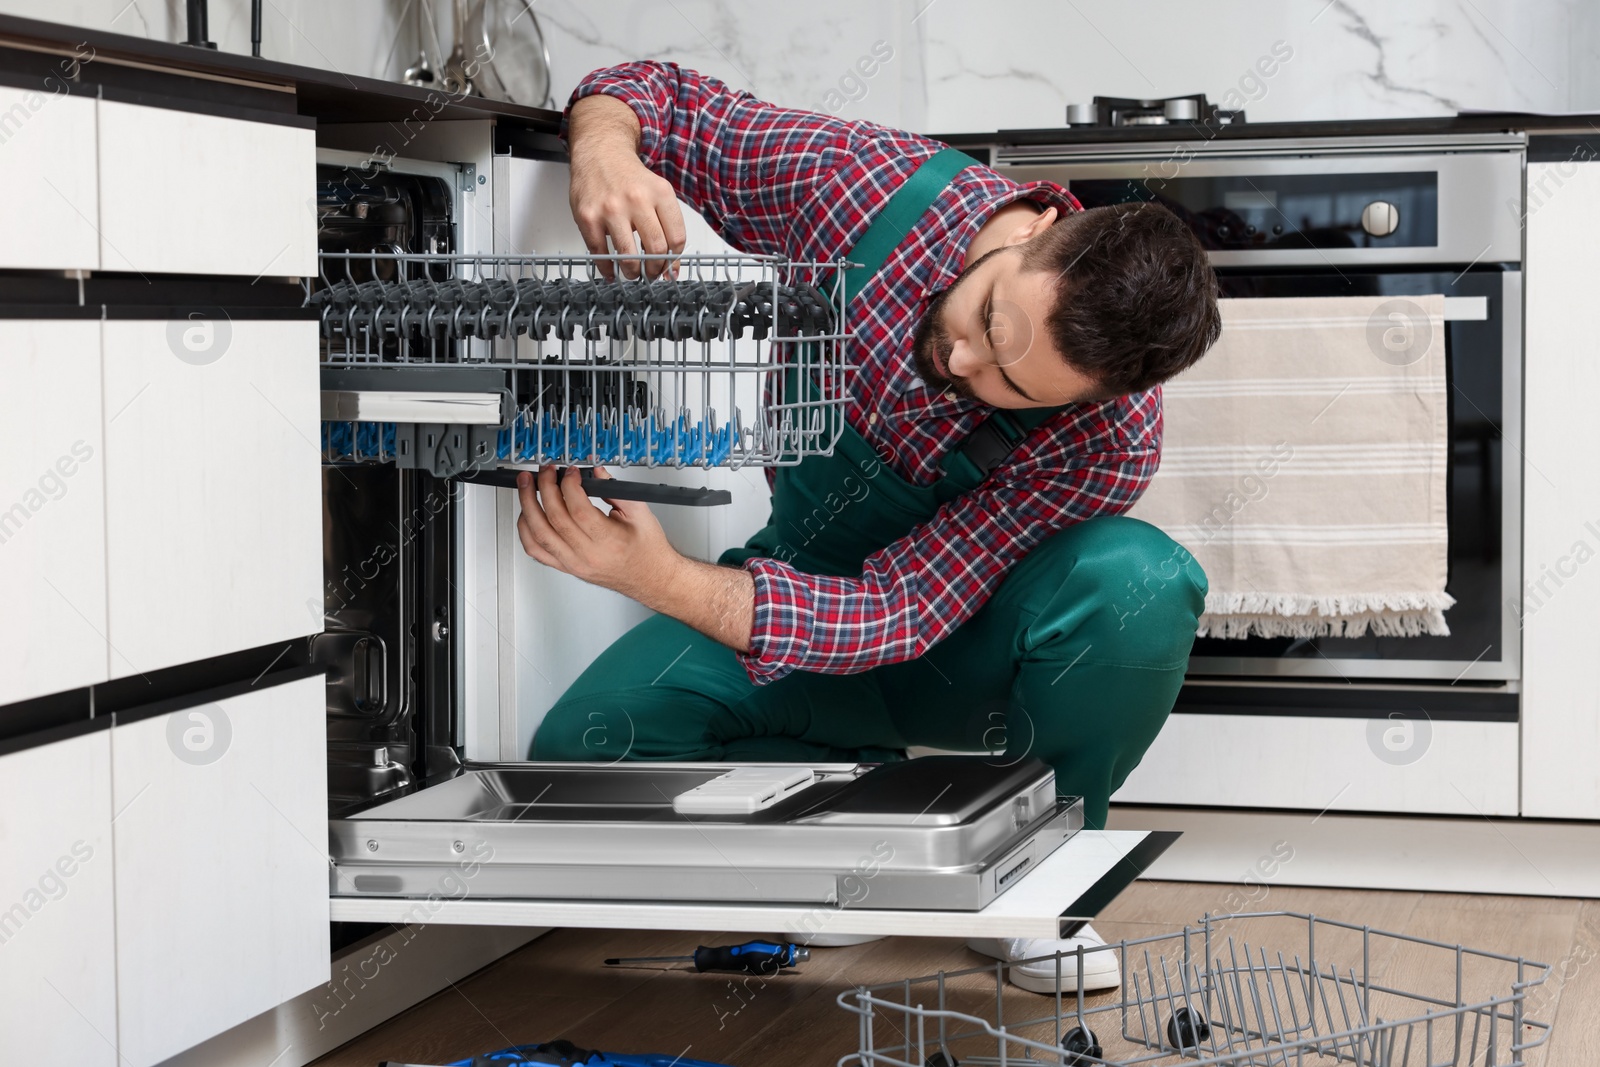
pixel 221 863
pixel 57 985
pixel 202 194
pixel 52 508
pixel 48 213
pixel 213 488
pixel 1341 764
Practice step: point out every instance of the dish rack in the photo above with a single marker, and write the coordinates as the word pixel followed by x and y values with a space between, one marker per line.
pixel 456 363
pixel 1206 996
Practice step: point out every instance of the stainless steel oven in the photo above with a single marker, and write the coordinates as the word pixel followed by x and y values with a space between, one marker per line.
pixel 1365 216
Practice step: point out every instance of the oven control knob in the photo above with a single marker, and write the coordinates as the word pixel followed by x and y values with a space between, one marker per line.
pixel 1380 218
pixel 1181 109
pixel 1083 115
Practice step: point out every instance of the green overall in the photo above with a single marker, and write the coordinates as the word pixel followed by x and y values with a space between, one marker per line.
pixel 1076 658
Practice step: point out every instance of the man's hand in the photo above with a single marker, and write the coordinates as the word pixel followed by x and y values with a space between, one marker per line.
pixel 613 194
pixel 560 527
pixel 628 552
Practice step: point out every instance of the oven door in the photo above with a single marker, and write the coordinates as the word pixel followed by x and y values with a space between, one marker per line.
pixel 1484 374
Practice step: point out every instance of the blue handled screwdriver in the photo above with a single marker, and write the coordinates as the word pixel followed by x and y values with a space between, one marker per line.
pixel 752 957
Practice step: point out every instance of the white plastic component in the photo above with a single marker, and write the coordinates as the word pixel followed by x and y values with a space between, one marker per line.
pixel 371 405
pixel 746 790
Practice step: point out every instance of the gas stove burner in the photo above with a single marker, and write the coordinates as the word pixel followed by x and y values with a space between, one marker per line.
pixel 1119 111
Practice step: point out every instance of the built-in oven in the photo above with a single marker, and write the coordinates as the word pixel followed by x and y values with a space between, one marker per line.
pixel 1373 723
pixel 1365 217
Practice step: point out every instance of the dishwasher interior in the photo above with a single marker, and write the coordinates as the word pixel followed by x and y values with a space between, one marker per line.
pixel 443 368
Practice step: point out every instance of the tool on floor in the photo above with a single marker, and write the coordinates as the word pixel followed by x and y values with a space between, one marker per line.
pixel 562 1054
pixel 752 957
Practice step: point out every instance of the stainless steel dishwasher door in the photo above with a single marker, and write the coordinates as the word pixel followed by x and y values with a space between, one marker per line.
pixel 940 832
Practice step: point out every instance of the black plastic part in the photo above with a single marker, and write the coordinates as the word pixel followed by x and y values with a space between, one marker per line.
pixel 614 488
pixel 199 24
pixel 941 1059
pixel 1187 1030
pixel 1080 1043
pixel 1117 879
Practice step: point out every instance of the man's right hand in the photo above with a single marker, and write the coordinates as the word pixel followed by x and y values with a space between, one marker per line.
pixel 616 196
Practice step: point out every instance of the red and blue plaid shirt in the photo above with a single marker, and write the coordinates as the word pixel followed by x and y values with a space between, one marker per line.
pixel 804 185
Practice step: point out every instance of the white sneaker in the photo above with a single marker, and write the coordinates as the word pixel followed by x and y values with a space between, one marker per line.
pixel 826 940
pixel 1100 970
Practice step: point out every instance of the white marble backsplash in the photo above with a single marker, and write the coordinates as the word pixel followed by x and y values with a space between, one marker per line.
pixel 965 65
pixel 1346 58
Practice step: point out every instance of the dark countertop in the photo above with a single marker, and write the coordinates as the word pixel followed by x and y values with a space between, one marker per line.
pixel 35 54
pixel 1433 126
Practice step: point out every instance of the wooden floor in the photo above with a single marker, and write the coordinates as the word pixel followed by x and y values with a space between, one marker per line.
pixel 557 987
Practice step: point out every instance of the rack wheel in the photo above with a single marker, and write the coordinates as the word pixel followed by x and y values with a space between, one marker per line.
pixel 940 1059
pixel 1187 1029
pixel 1080 1042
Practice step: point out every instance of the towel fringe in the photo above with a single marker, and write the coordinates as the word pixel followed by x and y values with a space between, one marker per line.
pixel 1237 615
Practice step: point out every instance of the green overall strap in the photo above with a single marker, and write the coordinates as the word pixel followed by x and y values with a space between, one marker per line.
pixel 897 217
pixel 966 467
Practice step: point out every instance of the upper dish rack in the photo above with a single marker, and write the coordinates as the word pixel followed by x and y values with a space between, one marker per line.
pixel 454 363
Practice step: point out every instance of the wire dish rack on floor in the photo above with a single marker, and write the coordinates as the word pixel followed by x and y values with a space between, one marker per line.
pixel 732 360
pixel 1276 989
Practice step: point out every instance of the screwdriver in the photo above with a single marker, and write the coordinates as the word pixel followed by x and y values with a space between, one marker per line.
pixel 752 957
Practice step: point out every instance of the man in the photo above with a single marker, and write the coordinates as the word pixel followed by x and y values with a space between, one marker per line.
pixel 957 574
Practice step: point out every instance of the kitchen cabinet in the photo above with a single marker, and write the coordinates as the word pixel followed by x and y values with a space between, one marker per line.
pixel 221 863
pixel 49 213
pixel 1561 501
pixel 182 192
pixel 57 941
pixel 213 488
pixel 52 508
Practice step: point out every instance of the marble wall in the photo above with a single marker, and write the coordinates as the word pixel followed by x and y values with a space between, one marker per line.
pixel 962 65
pixel 1303 59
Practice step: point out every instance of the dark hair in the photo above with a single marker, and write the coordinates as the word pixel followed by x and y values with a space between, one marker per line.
pixel 1137 299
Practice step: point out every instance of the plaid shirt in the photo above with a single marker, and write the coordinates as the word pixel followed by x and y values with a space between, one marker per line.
pixel 804 185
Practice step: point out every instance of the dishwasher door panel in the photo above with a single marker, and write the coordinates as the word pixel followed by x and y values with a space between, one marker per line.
pixel 1067 888
pixel 938 833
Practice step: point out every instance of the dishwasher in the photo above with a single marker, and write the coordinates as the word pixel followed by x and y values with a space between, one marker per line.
pixel 447 368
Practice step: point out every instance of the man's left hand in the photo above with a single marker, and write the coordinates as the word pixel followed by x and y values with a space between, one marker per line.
pixel 626 551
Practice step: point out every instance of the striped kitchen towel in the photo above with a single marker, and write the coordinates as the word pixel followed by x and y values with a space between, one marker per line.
pixel 1304 465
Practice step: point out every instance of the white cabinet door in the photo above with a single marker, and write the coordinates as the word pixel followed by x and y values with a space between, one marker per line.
pixel 52 508
pixel 221 865
pixel 57 943
pixel 201 194
pixel 47 169
pixel 1561 495
pixel 213 488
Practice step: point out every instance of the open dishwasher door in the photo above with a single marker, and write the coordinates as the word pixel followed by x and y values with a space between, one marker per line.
pixel 930 845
